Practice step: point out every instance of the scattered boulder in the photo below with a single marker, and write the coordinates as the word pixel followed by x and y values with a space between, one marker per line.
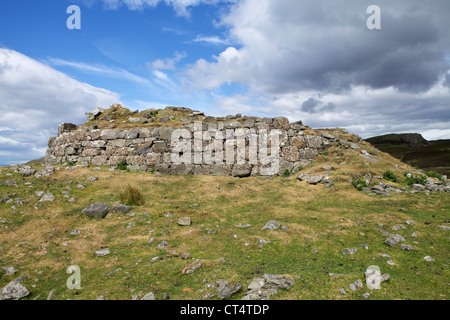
pixel 163 245
pixel 9 270
pixel 192 267
pixel 268 285
pixel 398 227
pixel 47 197
pixel 120 208
pixel 429 259
pixel 185 221
pixel 262 242
pixel 94 114
pixel 225 289
pixel 97 210
pixel 356 285
pixel 102 252
pixel 45 171
pixel 407 247
pixel 26 171
pixel 315 179
pixel 6 198
pixel 14 290
pixel 149 296
pixel 272 225
pixel 240 225
pixel 349 251
pixel 394 239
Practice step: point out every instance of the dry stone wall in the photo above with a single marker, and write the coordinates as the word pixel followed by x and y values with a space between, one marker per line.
pixel 237 147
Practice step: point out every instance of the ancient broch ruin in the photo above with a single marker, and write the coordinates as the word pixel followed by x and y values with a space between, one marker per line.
pixel 182 141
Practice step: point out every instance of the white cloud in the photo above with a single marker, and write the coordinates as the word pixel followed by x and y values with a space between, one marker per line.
pixel 294 51
pixel 35 99
pixel 180 6
pixel 167 63
pixel 99 69
pixel 215 40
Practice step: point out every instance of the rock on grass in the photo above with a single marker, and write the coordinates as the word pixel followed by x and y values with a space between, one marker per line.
pixel 120 208
pixel 14 291
pixel 225 289
pixel 97 210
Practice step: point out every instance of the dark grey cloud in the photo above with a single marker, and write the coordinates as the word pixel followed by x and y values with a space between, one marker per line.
pixel 313 105
pixel 294 45
pixel 447 80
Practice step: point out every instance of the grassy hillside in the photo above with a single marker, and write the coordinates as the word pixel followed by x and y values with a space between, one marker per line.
pixel 427 155
pixel 319 222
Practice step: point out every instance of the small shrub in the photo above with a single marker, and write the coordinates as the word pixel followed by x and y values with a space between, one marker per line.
pixel 359 184
pixel 131 195
pixel 287 173
pixel 70 163
pixel 434 174
pixel 389 175
pixel 325 153
pixel 410 180
pixel 122 165
pixel 300 168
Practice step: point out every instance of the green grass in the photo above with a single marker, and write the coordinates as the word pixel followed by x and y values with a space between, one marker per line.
pixel 326 219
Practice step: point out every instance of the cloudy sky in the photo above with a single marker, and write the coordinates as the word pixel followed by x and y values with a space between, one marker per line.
pixel 309 60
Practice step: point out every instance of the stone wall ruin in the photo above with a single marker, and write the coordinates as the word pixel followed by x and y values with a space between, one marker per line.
pixel 249 146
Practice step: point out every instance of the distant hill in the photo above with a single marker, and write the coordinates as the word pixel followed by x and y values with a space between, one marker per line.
pixel 416 151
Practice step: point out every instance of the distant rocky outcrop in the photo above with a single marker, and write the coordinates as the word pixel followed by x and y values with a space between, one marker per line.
pixel 411 139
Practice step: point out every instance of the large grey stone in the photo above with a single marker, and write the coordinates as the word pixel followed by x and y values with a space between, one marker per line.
pixel 26 171
pixel 120 208
pixel 272 225
pixel 268 285
pixel 349 251
pixel 102 252
pixel 97 210
pixel 14 291
pixel 47 197
pixel 149 296
pixel 225 289
pixel 241 170
pixel 356 285
pixel 315 179
pixel 45 171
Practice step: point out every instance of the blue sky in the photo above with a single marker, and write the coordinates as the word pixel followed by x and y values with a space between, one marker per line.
pixel 115 48
pixel 314 61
